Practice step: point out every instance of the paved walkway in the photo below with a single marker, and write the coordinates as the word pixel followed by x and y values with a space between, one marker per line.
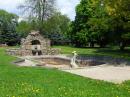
pixel 106 73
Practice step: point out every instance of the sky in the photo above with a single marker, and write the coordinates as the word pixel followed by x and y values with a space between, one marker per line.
pixel 65 6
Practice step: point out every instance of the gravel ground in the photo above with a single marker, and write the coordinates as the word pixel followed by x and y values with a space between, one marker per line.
pixel 106 73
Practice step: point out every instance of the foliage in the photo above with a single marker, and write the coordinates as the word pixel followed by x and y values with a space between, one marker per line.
pixel 101 22
pixel 38 11
pixel 24 28
pixel 79 26
pixel 56 28
pixel 8 23
pixel 91 22
pixel 119 11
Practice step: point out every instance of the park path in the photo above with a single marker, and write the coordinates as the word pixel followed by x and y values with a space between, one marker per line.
pixel 106 73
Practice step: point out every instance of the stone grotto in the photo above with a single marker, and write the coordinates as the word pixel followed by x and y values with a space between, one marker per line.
pixel 33 45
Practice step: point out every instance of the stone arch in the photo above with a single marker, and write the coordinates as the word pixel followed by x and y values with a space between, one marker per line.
pixel 35 42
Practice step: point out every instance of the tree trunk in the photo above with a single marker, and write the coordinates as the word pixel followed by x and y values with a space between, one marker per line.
pixel 92 44
pixel 102 45
pixel 122 46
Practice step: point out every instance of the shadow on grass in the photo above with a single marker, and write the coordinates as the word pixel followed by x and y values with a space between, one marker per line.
pixel 113 52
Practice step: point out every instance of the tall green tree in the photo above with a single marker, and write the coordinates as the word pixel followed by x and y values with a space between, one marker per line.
pixel 99 24
pixel 24 27
pixel 56 28
pixel 119 11
pixel 91 24
pixel 79 26
pixel 8 23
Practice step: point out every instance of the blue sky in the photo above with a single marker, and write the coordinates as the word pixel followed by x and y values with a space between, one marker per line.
pixel 65 6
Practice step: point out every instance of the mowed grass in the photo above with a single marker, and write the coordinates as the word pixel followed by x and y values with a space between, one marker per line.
pixel 113 51
pixel 40 82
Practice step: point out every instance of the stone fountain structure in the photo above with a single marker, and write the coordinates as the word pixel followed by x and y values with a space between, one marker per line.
pixel 33 45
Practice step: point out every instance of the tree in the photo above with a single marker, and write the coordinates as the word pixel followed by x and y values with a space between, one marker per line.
pixel 119 11
pixel 79 30
pixel 56 28
pixel 99 24
pixel 91 24
pixel 8 23
pixel 40 9
pixel 23 28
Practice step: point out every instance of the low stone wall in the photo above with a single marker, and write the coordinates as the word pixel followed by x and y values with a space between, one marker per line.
pixel 21 52
pixel 3 45
pixel 13 52
pixel 54 51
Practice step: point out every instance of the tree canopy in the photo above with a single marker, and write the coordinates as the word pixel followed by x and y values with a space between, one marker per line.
pixel 8 23
pixel 101 22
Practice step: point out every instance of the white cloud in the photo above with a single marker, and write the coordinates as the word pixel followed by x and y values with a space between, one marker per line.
pixel 68 7
pixel 10 5
pixel 65 6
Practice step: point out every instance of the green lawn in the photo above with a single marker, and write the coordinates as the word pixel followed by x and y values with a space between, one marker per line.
pixel 114 52
pixel 39 82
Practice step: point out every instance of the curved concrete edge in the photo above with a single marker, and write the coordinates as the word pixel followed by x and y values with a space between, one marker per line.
pixel 24 62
